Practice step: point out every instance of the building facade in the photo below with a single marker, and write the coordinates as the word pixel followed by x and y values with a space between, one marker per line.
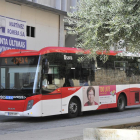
pixel 63 5
pixel 29 25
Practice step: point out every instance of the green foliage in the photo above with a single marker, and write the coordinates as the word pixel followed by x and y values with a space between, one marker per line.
pixel 100 24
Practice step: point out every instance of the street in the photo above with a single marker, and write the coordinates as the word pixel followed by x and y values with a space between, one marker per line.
pixel 10 126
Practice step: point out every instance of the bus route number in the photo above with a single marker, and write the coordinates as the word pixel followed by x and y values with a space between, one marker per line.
pixel 21 60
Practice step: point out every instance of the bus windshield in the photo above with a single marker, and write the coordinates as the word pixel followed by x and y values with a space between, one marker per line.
pixel 20 75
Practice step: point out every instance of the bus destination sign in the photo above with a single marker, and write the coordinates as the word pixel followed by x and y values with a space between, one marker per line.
pixel 24 60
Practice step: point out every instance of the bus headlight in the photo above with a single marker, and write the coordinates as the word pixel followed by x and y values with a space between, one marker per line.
pixel 30 104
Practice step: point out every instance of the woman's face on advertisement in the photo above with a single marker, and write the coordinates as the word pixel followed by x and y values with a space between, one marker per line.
pixel 91 96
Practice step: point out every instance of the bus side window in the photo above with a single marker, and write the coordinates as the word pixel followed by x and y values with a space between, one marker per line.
pixel 69 75
pixel 84 78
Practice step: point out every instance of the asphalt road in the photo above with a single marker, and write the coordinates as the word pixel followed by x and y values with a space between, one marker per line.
pixel 9 125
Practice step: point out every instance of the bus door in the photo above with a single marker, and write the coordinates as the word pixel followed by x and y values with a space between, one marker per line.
pixel 70 84
pixel 51 91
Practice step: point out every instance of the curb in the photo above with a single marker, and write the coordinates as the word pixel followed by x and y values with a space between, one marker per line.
pixel 121 126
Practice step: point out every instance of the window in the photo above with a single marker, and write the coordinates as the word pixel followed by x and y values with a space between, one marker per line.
pixel 30 31
pixel 120 64
pixel 136 97
pixel 66 71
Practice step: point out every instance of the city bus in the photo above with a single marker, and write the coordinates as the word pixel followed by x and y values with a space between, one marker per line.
pixel 52 81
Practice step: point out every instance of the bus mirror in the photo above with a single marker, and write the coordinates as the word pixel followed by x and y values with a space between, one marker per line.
pixel 45 66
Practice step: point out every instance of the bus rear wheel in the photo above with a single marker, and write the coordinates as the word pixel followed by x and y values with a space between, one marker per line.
pixel 73 108
pixel 121 103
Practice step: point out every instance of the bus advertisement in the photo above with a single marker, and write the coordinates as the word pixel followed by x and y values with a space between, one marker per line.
pixel 52 81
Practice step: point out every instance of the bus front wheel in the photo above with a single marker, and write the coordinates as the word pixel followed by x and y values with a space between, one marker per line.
pixel 73 108
pixel 121 103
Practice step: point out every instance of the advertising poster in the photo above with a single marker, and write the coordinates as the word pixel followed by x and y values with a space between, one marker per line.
pixel 107 94
pixel 12 34
pixel 90 96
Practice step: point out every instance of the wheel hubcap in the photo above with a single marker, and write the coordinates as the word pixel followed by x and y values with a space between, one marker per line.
pixel 73 107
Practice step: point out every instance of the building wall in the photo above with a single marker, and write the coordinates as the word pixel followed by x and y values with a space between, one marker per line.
pixel 47 24
pixel 47 27
pixel 63 5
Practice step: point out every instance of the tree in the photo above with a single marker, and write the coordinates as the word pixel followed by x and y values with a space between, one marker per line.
pixel 100 24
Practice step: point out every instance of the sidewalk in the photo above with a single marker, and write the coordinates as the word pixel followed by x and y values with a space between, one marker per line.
pixel 69 132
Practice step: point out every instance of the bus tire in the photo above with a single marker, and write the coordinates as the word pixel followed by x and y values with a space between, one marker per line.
pixel 73 108
pixel 121 103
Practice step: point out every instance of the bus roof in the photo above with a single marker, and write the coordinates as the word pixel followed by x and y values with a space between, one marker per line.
pixel 51 49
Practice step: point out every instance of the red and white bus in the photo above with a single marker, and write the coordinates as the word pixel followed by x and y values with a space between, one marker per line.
pixel 52 81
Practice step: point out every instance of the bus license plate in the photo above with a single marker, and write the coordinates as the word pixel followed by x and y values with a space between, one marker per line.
pixel 12 114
